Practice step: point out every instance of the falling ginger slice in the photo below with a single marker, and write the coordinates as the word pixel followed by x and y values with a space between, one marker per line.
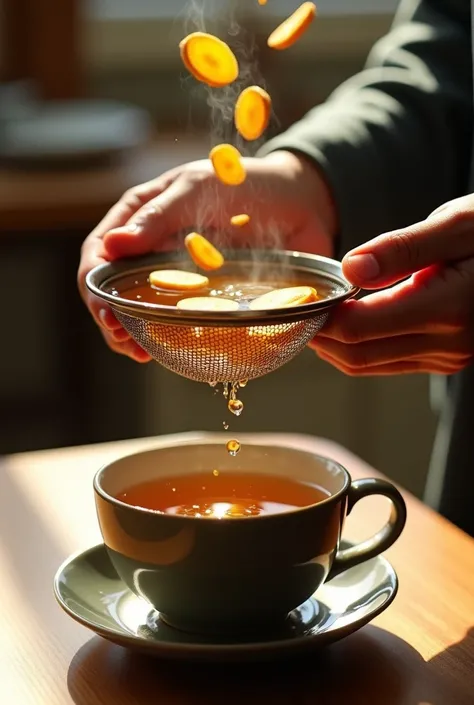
pixel 207 303
pixel 178 280
pixel 227 163
pixel 209 59
pixel 286 34
pixel 202 252
pixel 240 220
pixel 252 112
pixel 282 298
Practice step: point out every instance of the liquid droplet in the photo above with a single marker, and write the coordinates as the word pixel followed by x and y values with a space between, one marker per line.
pixel 225 425
pixel 215 473
pixel 212 384
pixel 235 406
pixel 233 447
pixel 243 383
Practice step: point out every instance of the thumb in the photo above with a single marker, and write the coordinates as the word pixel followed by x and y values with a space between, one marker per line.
pixel 444 237
pixel 154 225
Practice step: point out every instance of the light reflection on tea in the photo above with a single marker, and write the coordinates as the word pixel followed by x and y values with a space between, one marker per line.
pixel 222 495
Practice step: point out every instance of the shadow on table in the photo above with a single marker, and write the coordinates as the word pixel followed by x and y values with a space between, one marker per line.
pixel 370 667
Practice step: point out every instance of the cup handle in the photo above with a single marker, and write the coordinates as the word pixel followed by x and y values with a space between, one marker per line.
pixel 383 539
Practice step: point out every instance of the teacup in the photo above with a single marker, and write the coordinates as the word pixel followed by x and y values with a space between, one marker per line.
pixel 210 575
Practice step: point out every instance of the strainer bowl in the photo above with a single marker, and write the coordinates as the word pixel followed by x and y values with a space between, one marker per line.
pixel 210 346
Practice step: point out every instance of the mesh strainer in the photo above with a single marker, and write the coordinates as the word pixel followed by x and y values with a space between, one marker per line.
pixel 225 346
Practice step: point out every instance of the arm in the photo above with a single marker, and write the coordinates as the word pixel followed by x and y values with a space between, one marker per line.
pixel 394 141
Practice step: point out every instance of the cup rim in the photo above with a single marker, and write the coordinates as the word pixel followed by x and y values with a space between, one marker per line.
pixel 144 511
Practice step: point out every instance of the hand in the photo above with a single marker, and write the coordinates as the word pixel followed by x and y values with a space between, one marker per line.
pixel 285 196
pixel 425 323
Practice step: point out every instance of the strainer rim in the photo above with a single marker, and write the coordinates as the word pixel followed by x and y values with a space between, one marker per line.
pixel 324 267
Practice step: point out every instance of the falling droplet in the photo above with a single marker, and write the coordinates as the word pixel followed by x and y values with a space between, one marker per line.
pixel 233 447
pixel 235 406
pixel 215 473
pixel 225 425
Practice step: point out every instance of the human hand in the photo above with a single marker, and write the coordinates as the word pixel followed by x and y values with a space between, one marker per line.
pixel 285 196
pixel 424 323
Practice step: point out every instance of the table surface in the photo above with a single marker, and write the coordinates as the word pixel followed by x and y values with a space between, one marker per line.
pixel 419 652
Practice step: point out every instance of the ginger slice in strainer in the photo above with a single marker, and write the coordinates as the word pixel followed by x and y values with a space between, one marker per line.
pixel 252 112
pixel 227 163
pixel 240 220
pixel 203 253
pixel 207 303
pixel 209 59
pixel 283 298
pixel 177 280
pixel 289 31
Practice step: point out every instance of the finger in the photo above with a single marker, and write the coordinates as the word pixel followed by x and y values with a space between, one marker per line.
pixel 171 211
pixel 128 348
pixel 418 366
pixel 413 306
pixel 395 349
pixel 445 236
pixel 93 252
pixel 132 201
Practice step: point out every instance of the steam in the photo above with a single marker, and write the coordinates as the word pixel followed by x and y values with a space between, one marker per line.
pixel 221 17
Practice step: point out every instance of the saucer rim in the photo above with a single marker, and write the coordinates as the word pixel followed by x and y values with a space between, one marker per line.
pixel 193 649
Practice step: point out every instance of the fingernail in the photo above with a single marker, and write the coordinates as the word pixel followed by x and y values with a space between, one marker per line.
pixel 128 229
pixel 364 266
pixel 103 313
pixel 136 225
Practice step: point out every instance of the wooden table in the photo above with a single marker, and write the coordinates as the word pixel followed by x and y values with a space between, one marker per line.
pixel 419 652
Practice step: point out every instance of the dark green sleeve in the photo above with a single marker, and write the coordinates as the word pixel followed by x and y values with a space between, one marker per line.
pixel 395 140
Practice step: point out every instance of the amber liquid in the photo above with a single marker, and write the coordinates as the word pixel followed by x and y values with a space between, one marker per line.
pixel 222 495
pixel 229 286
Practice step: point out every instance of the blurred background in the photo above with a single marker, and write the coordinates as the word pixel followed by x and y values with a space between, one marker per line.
pixel 94 99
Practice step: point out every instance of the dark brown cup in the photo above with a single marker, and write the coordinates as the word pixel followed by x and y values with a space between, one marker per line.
pixel 241 574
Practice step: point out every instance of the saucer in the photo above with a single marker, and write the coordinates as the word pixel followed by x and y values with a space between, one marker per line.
pixel 88 588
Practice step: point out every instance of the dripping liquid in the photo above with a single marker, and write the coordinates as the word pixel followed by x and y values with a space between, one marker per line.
pixel 232 282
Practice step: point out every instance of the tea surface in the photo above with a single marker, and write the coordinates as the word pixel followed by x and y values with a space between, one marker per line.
pixel 219 495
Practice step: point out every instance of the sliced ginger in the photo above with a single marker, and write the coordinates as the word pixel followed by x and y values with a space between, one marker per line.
pixel 203 253
pixel 289 31
pixel 240 220
pixel 209 59
pixel 178 280
pixel 252 112
pixel 227 163
pixel 282 298
pixel 207 303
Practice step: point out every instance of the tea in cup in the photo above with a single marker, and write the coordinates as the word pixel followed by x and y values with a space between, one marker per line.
pixel 222 544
